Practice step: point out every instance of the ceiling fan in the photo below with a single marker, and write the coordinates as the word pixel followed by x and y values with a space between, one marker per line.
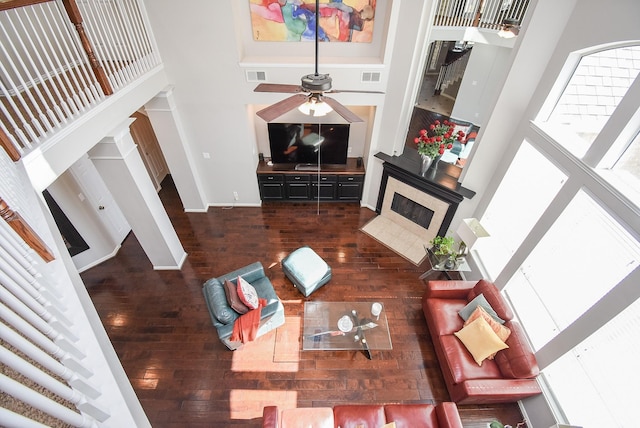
pixel 310 95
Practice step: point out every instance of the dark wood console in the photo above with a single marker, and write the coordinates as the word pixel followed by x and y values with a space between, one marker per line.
pixel 332 184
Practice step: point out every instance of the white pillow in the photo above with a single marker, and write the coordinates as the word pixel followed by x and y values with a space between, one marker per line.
pixel 247 293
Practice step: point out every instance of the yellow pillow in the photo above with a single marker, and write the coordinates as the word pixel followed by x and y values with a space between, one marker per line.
pixel 502 331
pixel 389 425
pixel 480 340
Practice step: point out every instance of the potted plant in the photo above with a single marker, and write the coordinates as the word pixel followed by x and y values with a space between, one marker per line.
pixel 442 247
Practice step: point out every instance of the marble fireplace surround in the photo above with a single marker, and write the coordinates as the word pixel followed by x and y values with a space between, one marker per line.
pixel 414 209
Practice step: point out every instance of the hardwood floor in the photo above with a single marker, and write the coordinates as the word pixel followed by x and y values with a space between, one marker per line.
pixel 185 377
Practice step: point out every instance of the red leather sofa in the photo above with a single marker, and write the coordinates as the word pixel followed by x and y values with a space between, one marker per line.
pixel 443 415
pixel 509 377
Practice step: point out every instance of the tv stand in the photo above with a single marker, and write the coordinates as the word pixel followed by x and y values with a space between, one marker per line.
pixel 304 182
pixel 306 167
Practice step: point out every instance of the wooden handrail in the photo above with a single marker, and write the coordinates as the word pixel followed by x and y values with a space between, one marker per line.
pixel 13 4
pixel 76 18
pixel 22 228
pixel 8 147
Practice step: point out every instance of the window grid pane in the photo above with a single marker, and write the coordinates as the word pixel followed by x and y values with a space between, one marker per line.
pixel 593 381
pixel 582 257
pixel 598 84
pixel 529 185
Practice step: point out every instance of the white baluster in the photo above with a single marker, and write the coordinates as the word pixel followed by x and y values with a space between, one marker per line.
pixel 16 293
pixel 35 336
pixel 14 420
pixel 43 403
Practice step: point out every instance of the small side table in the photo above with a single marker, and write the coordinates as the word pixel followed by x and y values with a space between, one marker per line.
pixel 438 266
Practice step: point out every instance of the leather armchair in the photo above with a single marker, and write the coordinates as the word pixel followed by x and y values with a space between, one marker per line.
pixel 223 316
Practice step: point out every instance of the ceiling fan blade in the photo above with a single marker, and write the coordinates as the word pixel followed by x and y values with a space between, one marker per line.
pixel 336 91
pixel 278 109
pixel 347 114
pixel 277 87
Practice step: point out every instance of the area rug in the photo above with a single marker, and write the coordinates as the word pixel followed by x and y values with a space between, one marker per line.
pixel 275 351
pixel 402 241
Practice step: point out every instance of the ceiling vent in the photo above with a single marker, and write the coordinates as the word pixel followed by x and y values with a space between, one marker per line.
pixel 370 77
pixel 256 76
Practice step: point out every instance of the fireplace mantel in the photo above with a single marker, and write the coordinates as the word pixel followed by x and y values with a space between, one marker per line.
pixel 442 184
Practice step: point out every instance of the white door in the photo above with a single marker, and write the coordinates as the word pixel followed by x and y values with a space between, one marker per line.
pixel 94 189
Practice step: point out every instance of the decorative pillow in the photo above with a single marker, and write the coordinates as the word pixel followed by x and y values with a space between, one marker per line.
pixel 247 293
pixel 231 291
pixel 389 425
pixel 499 329
pixel 480 340
pixel 479 300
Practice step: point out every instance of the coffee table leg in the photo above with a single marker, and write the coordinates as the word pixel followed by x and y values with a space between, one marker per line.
pixel 363 342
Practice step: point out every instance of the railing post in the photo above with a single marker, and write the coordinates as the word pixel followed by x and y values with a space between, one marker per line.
pixel 476 20
pixel 8 147
pixel 23 229
pixel 76 18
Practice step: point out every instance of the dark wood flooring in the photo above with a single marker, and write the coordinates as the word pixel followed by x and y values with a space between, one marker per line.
pixel 185 377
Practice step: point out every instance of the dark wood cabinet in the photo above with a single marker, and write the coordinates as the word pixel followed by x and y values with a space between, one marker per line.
pixel 271 186
pixel 334 184
pixel 350 187
pixel 297 186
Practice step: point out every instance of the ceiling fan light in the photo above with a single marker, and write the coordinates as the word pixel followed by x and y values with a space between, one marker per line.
pixel 510 28
pixel 315 107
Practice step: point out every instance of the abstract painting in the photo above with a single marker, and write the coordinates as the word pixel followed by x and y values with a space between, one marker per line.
pixel 295 20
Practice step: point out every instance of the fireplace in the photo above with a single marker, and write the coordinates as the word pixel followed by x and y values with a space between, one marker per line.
pixel 414 209
pixel 429 211
pixel 411 210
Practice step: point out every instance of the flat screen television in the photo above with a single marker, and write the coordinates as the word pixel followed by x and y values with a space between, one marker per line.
pixel 299 143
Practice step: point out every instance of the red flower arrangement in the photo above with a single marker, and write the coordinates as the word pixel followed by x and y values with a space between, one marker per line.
pixel 439 138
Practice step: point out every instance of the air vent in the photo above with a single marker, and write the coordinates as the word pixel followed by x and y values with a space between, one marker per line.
pixel 256 76
pixel 370 76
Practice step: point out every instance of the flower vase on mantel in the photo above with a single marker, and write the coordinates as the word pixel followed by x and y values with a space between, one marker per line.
pixel 427 163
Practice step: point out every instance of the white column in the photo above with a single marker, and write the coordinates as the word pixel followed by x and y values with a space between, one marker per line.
pixel 117 159
pixel 169 131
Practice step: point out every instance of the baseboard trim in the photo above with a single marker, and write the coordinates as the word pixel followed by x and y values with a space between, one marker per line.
pixel 178 266
pixel 100 260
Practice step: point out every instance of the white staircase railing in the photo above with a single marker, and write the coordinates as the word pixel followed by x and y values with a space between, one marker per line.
pixel 450 73
pixel 38 346
pixel 479 13
pixel 59 58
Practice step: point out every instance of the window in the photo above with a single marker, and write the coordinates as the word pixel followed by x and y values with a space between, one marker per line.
pixel 599 82
pixel 565 238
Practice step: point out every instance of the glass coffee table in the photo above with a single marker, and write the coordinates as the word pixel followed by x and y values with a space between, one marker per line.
pixel 345 326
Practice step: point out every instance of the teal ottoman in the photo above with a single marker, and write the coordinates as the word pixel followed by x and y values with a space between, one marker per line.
pixel 306 269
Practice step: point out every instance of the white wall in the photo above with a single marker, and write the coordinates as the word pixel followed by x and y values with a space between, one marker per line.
pixel 487 67
pixel 206 61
